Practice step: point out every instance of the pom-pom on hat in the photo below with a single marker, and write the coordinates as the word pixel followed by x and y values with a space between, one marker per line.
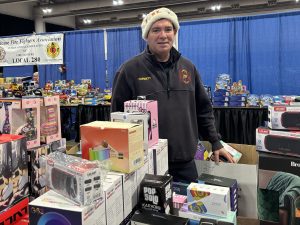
pixel 155 15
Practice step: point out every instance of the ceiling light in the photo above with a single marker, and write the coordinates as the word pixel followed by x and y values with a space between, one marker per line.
pixel 235 6
pixel 272 2
pixel 216 7
pixel 47 10
pixel 144 15
pixel 297 0
pixel 115 2
pixel 87 21
pixel 118 2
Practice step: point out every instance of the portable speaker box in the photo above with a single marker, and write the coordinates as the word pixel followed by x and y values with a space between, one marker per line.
pixel 280 142
pixel 284 117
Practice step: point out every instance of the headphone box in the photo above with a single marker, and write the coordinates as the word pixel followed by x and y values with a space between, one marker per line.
pixel 280 142
pixel 284 117
pixel 53 208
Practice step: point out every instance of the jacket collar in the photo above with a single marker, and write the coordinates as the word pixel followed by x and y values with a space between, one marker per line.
pixel 174 55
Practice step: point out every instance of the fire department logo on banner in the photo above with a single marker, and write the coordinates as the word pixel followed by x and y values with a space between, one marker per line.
pixel 53 50
pixel 2 53
pixel 185 76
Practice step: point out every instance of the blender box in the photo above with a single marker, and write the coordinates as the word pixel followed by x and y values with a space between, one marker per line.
pixel 124 141
pixel 53 208
pixel 208 199
pixel 50 119
pixel 284 117
pixel 148 107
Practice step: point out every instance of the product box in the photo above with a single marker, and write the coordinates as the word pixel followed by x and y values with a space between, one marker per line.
pixel 160 157
pixel 221 98
pixel 146 217
pixel 284 117
pixel 223 182
pixel 125 141
pixel 53 208
pixel 278 189
pixel 237 98
pixel 148 107
pixel 150 160
pixel 15 213
pixel 208 199
pixel 180 188
pixel 185 213
pixel 129 190
pixel 280 142
pixel 156 193
pixel 141 172
pixel 60 145
pixel 113 199
pixel 50 119
pixel 37 170
pixel 178 200
pixel 135 117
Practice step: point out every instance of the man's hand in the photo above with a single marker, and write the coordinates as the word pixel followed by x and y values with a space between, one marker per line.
pixel 225 154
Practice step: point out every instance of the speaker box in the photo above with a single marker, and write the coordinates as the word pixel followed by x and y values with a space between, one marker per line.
pixel 282 144
pixel 290 119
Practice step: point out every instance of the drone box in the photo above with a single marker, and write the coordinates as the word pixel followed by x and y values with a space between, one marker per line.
pixel 53 208
pixel 284 117
pixel 124 140
pixel 148 107
pixel 50 119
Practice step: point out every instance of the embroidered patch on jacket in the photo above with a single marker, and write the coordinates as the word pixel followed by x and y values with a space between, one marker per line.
pixel 185 76
pixel 144 78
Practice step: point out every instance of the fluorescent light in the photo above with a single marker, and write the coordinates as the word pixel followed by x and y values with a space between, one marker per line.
pixel 115 2
pixel 87 21
pixel 216 8
pixel 120 2
pixel 47 10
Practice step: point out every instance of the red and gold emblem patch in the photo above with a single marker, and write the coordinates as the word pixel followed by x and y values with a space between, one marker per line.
pixel 185 76
pixel 53 50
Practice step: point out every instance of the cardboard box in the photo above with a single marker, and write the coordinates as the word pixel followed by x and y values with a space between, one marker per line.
pixel 208 199
pixel 52 207
pixel 50 119
pixel 14 213
pixel 125 141
pixel 160 157
pixel 245 172
pixel 284 117
pixel 148 107
pixel 279 142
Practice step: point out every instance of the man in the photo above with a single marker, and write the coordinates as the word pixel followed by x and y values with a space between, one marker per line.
pixel 184 109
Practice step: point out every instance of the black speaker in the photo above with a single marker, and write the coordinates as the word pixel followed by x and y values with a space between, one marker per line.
pixel 282 144
pixel 290 120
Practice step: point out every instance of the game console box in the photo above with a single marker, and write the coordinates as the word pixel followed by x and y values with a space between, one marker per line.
pixel 124 141
pixel 53 208
pixel 284 117
pixel 135 117
pixel 223 182
pixel 280 142
pixel 208 199
pixel 50 119
pixel 148 107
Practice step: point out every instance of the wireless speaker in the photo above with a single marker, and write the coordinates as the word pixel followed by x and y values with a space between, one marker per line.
pixel 282 144
pixel 290 120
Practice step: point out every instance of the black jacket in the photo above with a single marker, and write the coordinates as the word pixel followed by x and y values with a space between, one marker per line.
pixel 184 109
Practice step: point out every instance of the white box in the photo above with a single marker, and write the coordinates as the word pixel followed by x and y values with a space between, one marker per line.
pixel 52 206
pixel 113 199
pixel 208 199
pixel 160 157
pixel 284 117
pixel 129 188
pixel 150 161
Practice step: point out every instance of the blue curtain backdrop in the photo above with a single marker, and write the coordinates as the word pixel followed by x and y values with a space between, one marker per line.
pixel 122 44
pixel 17 71
pixel 262 51
pixel 84 56
pixel 48 73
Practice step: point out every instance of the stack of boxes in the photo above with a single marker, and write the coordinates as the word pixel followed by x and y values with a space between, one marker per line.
pixel 279 162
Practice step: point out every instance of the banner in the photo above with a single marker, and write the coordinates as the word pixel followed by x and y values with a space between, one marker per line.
pixel 31 50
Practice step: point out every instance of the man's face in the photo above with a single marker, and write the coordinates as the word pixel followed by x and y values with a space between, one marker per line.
pixel 161 37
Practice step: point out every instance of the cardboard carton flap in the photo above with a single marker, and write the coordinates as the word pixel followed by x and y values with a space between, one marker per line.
pixel 112 125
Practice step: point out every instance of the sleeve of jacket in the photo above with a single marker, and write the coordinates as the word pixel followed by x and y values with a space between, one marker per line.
pixel 205 116
pixel 121 90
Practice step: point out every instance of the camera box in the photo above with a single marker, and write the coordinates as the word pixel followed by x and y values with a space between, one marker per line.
pixel 223 182
pixel 280 142
pixel 185 213
pixel 278 189
pixel 160 157
pixel 135 117
pixel 50 119
pixel 124 140
pixel 208 199
pixel 155 218
pixel 284 117
pixel 53 208
pixel 148 107
pixel 129 191
pixel 113 199
pixel 156 193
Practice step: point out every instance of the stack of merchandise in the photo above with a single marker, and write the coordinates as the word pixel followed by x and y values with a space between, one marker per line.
pixel 279 162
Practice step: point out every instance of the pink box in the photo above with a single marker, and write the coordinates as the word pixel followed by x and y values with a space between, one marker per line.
pixel 50 119
pixel 147 107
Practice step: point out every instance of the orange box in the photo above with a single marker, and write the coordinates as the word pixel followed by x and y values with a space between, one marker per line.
pixel 124 140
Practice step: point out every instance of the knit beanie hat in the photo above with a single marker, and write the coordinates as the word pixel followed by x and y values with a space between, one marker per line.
pixel 155 15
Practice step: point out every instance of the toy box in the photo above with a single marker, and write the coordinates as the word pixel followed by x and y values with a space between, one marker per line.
pixel 148 107
pixel 156 193
pixel 136 117
pixel 208 199
pixel 53 208
pixel 50 119
pixel 124 140
pixel 15 213
pixel 284 117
